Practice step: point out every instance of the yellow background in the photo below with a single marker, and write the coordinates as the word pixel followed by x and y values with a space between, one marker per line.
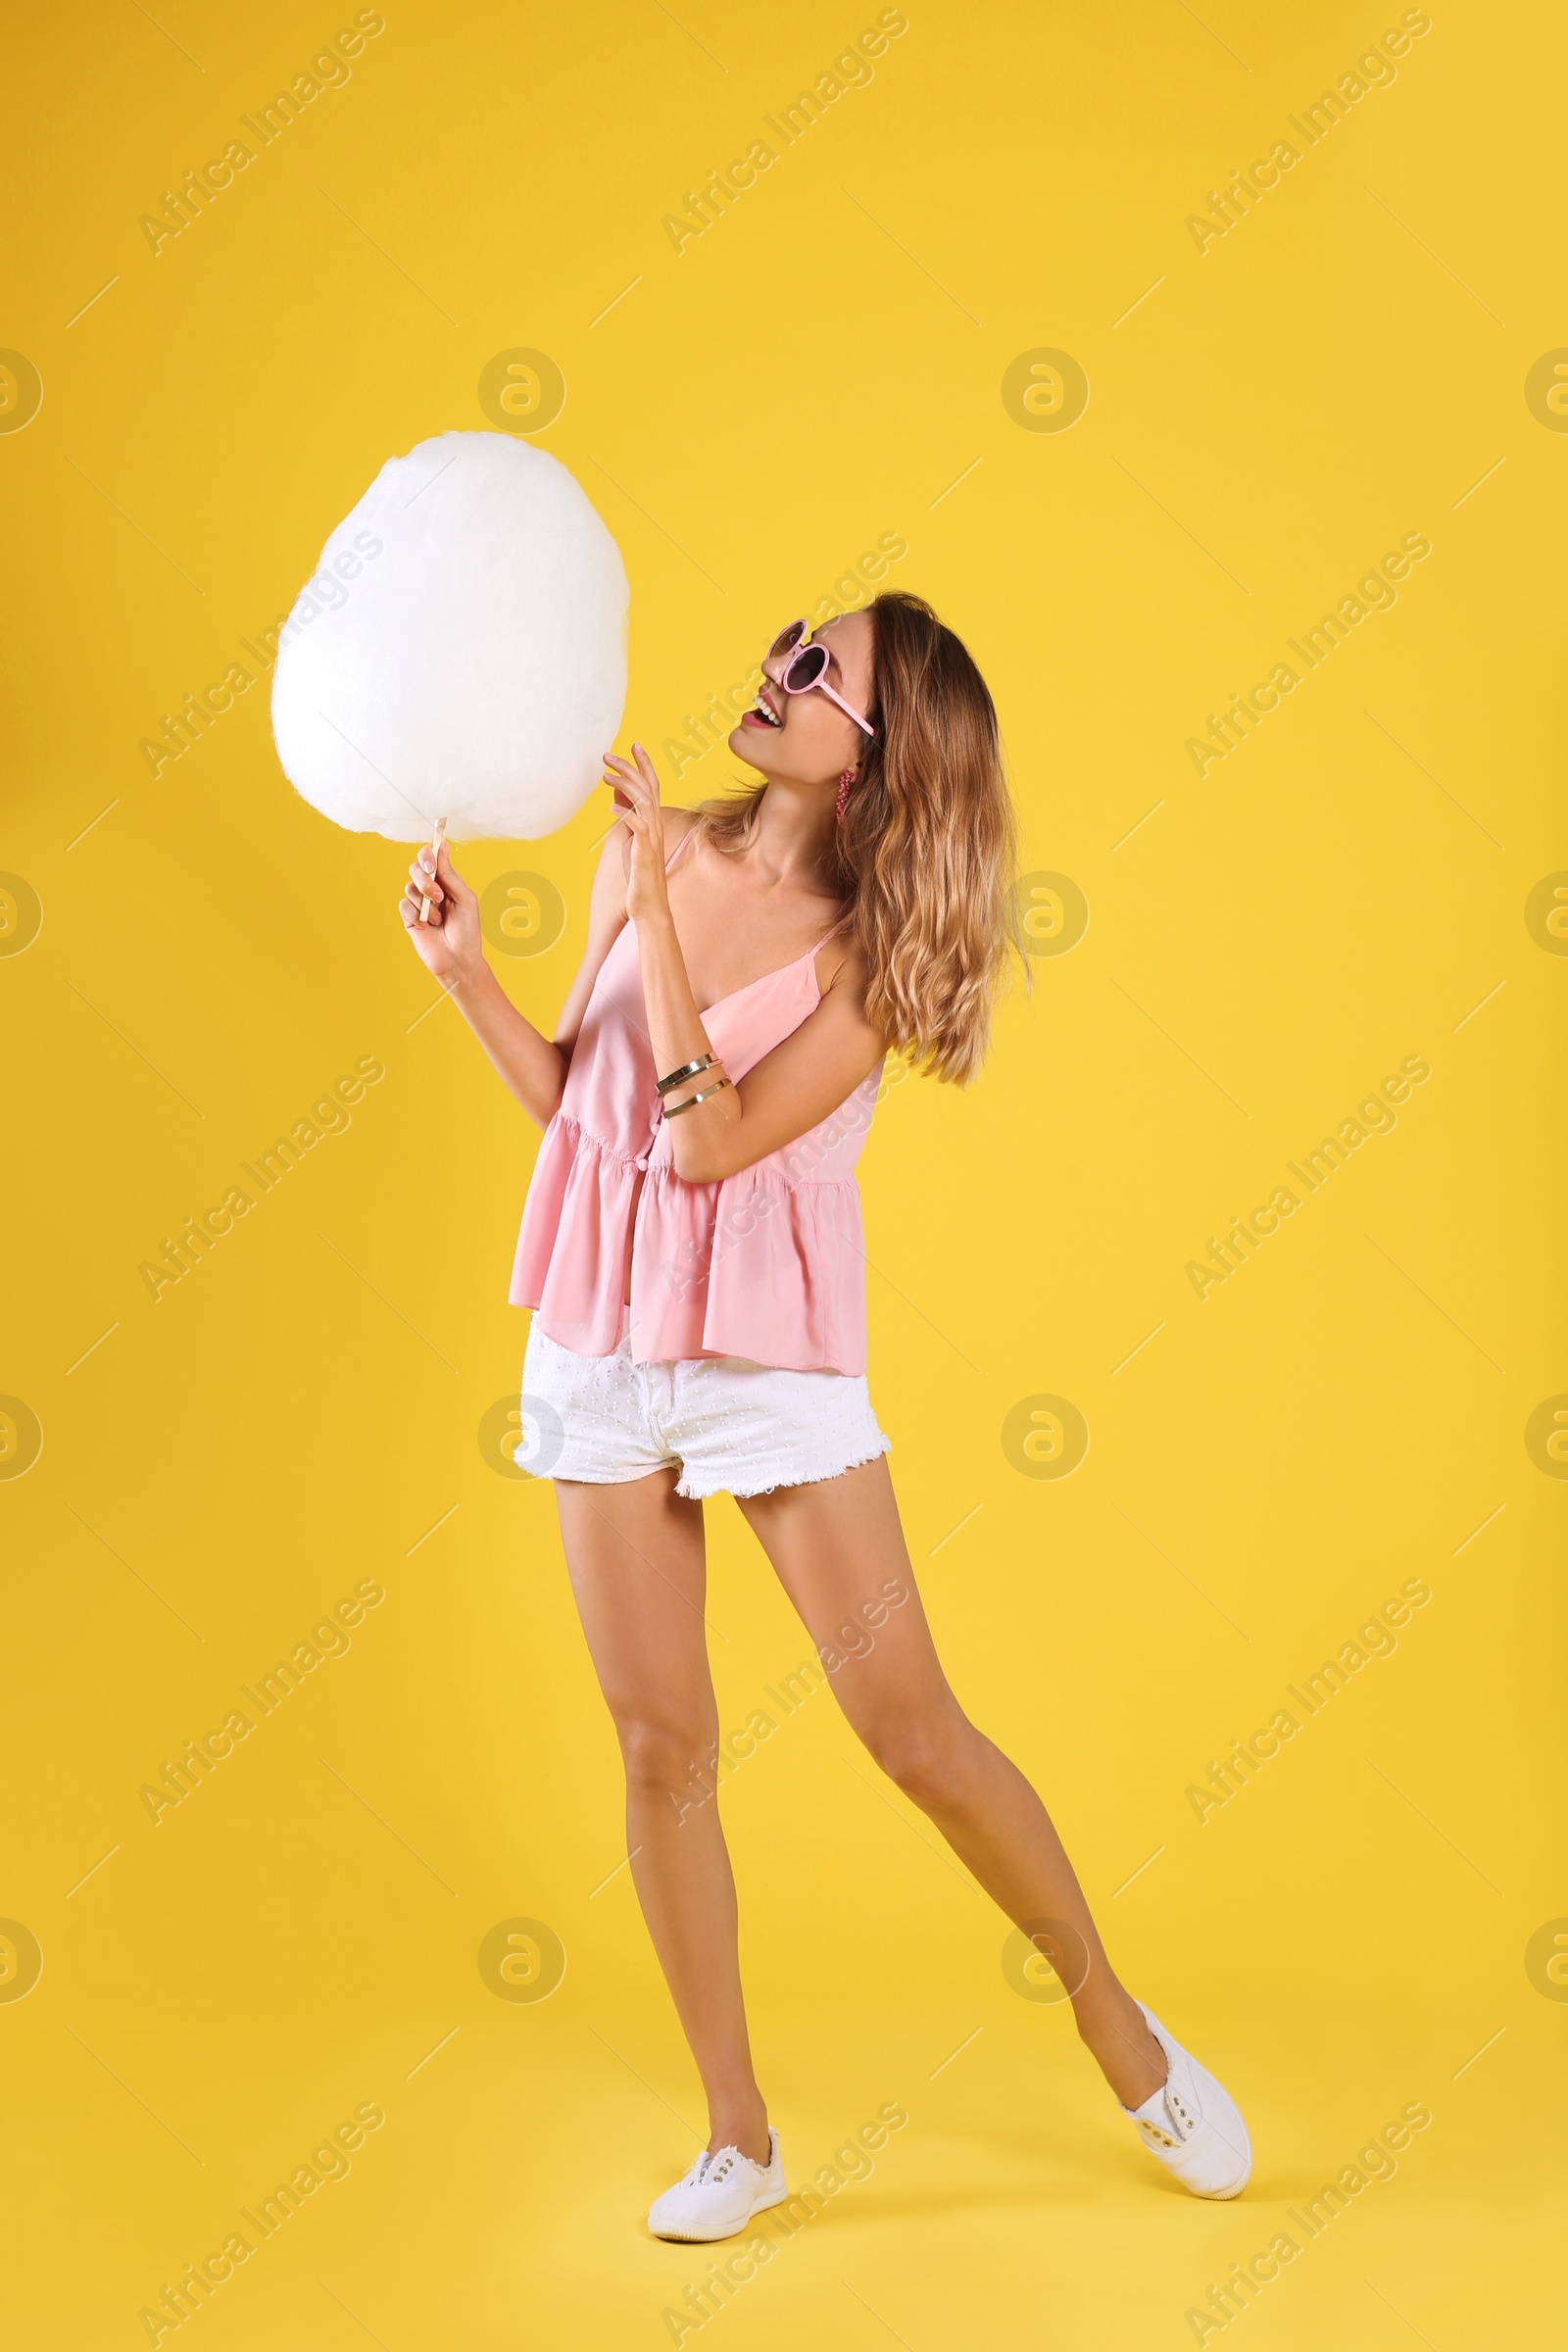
pixel 816 370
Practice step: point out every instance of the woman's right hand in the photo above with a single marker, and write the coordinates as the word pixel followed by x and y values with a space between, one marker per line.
pixel 449 945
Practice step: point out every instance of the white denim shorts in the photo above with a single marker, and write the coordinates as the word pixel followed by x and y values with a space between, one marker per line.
pixel 733 1427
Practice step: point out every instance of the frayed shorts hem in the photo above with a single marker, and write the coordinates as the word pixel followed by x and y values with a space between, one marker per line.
pixel 699 1490
pixel 729 1425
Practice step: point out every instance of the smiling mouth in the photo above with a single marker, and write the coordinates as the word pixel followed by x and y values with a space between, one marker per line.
pixel 761 715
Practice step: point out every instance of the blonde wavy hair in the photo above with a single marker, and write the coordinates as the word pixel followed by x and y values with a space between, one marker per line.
pixel 926 852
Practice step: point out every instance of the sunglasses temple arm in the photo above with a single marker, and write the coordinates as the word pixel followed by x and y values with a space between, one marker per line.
pixel 861 723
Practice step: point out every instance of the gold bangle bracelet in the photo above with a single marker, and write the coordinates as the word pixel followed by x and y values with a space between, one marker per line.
pixel 673 1110
pixel 688 1069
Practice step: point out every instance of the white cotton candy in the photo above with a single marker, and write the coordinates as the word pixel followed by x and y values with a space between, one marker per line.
pixel 459 650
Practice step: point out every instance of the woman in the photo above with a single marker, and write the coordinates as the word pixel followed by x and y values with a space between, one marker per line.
pixel 691 1248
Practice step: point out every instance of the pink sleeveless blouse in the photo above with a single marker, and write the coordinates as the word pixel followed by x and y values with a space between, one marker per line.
pixel 768 1264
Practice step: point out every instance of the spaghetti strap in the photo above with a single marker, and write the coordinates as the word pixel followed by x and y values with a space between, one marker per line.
pixel 679 846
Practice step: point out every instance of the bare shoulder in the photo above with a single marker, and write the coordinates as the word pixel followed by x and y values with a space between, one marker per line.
pixel 842 971
pixel 677 823
pixel 614 857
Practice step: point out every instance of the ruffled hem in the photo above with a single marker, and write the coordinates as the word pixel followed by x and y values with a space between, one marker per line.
pixel 768 1264
pixel 762 1266
pixel 571 1247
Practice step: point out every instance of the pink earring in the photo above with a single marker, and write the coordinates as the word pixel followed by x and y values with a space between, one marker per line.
pixel 845 781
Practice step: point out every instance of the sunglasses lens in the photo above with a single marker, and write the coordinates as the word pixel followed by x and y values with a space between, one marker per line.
pixel 806 667
pixel 785 639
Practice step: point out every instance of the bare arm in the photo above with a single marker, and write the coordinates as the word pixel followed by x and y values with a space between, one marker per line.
pixel 531 1066
pixel 791 1090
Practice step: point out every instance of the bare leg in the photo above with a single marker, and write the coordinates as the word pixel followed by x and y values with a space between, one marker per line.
pixel 839 1550
pixel 639 1571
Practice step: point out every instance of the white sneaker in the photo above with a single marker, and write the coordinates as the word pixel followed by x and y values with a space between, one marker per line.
pixel 1193 2125
pixel 719 2195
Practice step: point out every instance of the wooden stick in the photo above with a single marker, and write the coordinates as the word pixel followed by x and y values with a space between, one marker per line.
pixel 435 845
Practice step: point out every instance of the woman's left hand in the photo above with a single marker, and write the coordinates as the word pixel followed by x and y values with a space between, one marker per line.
pixel 636 789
